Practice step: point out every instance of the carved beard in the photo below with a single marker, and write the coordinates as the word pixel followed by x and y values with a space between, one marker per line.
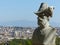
pixel 43 22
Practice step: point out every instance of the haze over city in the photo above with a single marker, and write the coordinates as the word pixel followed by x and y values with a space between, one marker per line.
pixel 21 12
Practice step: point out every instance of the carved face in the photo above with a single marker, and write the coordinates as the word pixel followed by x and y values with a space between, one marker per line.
pixel 50 11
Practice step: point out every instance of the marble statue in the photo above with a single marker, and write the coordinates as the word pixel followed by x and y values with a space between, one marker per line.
pixel 44 34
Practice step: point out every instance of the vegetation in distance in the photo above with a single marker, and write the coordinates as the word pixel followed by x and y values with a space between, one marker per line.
pixel 26 42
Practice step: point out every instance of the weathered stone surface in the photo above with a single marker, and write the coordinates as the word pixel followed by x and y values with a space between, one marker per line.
pixel 44 34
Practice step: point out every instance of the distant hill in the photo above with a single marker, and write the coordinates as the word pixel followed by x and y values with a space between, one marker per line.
pixel 23 23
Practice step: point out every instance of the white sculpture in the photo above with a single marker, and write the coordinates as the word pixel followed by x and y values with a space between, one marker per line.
pixel 44 34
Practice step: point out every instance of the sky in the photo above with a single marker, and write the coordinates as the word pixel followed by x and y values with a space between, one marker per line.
pixel 13 10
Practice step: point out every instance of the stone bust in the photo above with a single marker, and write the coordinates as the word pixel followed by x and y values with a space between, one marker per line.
pixel 44 34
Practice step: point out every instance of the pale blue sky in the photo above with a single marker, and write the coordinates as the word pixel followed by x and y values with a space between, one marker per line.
pixel 12 10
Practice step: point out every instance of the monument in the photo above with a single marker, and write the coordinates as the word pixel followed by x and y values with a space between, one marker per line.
pixel 44 34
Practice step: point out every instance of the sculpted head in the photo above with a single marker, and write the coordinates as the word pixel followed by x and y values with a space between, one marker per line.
pixel 45 10
pixel 44 13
